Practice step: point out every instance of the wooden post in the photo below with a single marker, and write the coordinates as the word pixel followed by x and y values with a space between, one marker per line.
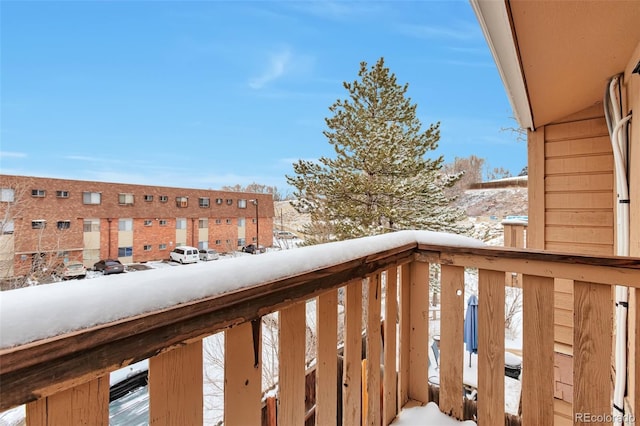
pixel 390 384
pixel 514 237
pixel 373 351
pixel 292 342
pixel 451 340
pixel 405 335
pixel 85 404
pixel 490 347
pixel 242 377
pixel 538 351
pixel 352 376
pixel 419 333
pixel 327 366
pixel 175 386
pixel 593 313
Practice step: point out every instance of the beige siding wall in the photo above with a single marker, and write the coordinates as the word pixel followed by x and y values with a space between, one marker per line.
pixel 632 86
pixel 571 209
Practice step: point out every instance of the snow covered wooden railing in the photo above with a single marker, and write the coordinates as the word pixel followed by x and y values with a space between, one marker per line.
pixel 59 342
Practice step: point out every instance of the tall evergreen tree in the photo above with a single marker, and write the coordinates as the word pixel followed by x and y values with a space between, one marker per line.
pixel 380 179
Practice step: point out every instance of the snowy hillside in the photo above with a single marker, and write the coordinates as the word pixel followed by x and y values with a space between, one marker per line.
pixel 485 209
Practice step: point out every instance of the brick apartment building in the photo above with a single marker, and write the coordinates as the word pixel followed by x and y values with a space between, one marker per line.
pixel 46 220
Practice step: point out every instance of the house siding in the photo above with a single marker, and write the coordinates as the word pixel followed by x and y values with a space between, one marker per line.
pixel 571 182
pixel 632 86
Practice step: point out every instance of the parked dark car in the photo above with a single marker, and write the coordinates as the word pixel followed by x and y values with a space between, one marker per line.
pixel 109 266
pixel 251 248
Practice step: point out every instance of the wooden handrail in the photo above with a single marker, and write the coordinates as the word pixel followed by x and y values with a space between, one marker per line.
pixel 37 369
pixel 46 367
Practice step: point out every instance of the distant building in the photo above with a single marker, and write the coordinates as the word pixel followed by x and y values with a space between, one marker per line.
pixel 44 221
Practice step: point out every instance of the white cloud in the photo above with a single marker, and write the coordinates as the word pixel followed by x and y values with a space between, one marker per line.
pixel 461 31
pixel 9 154
pixel 81 158
pixel 277 66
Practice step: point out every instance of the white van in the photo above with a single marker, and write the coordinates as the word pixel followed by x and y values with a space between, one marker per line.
pixel 184 254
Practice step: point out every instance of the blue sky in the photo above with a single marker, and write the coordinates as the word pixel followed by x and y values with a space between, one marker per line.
pixel 209 93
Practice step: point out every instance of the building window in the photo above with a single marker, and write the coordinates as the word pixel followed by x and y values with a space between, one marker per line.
pixel 203 245
pixel 242 204
pixel 91 197
pixel 148 222
pixel 218 221
pixel 7 227
pixel 164 198
pixel 228 241
pixel 254 239
pixel 203 223
pixel 7 195
pixel 162 247
pixel 218 242
pixel 125 199
pixel 64 224
pixel 241 241
pixel 181 223
pixel 125 251
pixel 254 220
pixel 241 222
pixel 162 222
pixel 218 200
pixel 125 224
pixel 148 197
pixel 38 224
pixel 91 225
pixel 38 193
pixel 147 247
pixel 63 253
pixel 203 202
pixel 229 222
pixel 62 194
pixel 229 201
pixel 182 202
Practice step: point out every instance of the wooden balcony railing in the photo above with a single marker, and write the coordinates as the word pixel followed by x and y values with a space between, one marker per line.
pixel 64 379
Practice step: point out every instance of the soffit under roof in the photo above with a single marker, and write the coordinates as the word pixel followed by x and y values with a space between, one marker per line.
pixel 568 50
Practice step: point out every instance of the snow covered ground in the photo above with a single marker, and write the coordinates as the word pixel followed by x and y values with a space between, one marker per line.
pixel 427 415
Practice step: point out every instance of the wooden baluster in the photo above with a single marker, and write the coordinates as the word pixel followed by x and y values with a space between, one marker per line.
pixel 451 340
pixel 514 237
pixel 373 351
pixel 84 404
pixel 242 376
pixel 490 347
pixel 592 333
pixel 405 335
pixel 419 333
pixel 175 386
pixel 352 376
pixel 390 384
pixel 537 350
pixel 291 410
pixel 327 366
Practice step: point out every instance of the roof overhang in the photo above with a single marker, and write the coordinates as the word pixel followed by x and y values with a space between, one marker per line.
pixel 556 57
pixel 496 25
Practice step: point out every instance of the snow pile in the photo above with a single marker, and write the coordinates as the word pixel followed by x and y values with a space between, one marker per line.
pixel 428 415
pixel 33 313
